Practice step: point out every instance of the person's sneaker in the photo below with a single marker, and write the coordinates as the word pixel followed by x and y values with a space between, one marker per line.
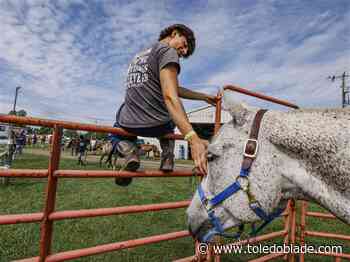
pixel 132 162
pixel 167 163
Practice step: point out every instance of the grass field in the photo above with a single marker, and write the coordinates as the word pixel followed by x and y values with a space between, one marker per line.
pixel 27 196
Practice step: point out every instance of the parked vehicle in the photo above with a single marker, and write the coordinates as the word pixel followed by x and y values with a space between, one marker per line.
pixel 4 134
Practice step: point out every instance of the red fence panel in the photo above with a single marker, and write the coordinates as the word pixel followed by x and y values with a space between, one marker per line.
pixel 49 215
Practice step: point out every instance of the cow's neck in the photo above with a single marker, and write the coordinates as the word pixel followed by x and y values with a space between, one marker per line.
pixel 313 188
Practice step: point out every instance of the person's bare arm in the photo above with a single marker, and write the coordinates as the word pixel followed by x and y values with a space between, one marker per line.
pixel 193 95
pixel 169 85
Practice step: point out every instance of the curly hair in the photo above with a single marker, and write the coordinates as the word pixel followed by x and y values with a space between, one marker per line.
pixel 183 30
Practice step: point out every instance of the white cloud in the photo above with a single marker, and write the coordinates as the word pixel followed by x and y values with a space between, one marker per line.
pixel 263 57
pixel 71 57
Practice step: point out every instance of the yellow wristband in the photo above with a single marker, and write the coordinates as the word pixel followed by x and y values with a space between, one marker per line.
pixel 189 135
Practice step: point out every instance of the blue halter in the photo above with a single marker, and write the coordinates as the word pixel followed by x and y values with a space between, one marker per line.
pixel 211 203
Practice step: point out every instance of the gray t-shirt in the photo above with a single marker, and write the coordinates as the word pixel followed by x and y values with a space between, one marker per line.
pixel 144 104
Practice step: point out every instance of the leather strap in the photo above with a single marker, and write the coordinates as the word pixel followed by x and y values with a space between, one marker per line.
pixel 254 131
pixel 251 145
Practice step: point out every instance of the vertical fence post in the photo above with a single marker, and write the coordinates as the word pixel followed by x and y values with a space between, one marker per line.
pixel 218 113
pixel 302 228
pixel 292 232
pixel 46 224
pixel 286 221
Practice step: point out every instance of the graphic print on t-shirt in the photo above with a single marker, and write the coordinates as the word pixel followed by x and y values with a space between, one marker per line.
pixel 137 72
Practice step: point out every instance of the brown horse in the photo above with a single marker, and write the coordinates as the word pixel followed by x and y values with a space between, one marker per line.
pixel 148 148
pixel 106 150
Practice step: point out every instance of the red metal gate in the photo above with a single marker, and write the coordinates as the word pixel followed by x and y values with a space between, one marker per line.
pixel 308 233
pixel 49 215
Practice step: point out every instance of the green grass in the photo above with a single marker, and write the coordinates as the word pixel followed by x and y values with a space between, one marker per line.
pixel 25 195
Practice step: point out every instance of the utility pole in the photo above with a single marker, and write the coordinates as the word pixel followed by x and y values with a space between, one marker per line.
pixel 15 102
pixel 345 89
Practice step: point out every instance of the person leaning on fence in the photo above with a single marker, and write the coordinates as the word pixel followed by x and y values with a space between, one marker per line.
pixel 152 106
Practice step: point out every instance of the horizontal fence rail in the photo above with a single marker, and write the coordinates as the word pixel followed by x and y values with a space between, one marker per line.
pixel 72 125
pixel 98 174
pixel 78 253
pixel 24 173
pixel 260 96
pixel 83 213
pixel 92 173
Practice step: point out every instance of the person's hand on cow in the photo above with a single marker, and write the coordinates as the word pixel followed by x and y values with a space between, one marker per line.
pixel 199 150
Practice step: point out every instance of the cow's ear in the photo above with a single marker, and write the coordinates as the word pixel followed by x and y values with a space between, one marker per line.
pixel 228 101
pixel 239 114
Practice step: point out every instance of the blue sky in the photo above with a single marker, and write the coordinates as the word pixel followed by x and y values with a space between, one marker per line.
pixel 70 56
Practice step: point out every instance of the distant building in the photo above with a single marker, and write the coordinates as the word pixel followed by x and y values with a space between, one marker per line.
pixel 202 120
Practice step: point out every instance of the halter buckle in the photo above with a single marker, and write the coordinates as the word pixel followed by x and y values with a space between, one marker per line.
pixel 246 149
pixel 207 205
pixel 244 183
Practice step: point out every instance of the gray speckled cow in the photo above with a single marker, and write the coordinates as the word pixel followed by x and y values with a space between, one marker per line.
pixel 303 154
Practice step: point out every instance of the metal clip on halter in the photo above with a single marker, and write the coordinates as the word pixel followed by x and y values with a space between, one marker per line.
pixel 208 206
pixel 243 182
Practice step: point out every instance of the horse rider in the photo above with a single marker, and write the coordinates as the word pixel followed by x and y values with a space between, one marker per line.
pixel 152 105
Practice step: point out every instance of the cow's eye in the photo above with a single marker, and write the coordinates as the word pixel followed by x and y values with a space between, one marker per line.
pixel 211 157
